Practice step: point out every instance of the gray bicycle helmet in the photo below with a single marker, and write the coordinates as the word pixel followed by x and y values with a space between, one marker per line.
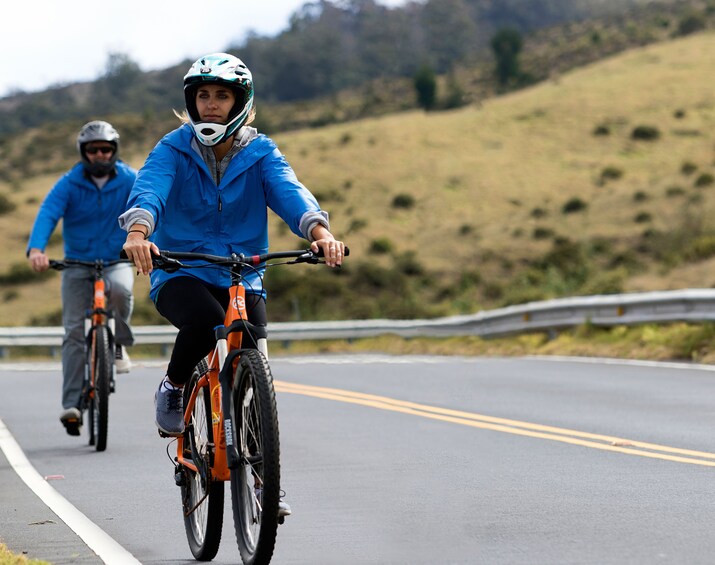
pixel 98 131
pixel 226 70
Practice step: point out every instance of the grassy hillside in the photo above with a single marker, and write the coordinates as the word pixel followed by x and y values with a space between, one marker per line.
pixel 540 193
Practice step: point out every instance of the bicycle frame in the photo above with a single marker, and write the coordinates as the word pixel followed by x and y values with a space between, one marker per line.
pixel 218 379
pixel 100 346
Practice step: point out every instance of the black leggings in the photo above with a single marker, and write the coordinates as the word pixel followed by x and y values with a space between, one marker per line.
pixel 196 308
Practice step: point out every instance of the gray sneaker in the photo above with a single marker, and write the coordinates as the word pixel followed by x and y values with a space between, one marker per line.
pixel 122 361
pixel 169 403
pixel 71 419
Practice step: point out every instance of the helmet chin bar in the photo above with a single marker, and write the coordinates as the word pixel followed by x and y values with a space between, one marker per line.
pixel 209 134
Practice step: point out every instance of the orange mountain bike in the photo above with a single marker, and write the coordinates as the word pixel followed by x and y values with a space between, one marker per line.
pixel 100 353
pixel 231 423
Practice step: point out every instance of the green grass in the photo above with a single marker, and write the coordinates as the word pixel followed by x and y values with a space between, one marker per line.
pixel 9 558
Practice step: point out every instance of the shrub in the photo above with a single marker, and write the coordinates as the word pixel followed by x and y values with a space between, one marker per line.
pixel 705 179
pixel 403 201
pixel 6 205
pixel 575 204
pixel 674 190
pixel 702 247
pixel 466 229
pixel 679 114
pixel 610 173
pixel 538 213
pixel 645 133
pixel 542 233
pixel 643 217
pixel 688 168
pixel 640 196
pixel 381 245
pixel 356 224
pixel 601 130
pixel 690 24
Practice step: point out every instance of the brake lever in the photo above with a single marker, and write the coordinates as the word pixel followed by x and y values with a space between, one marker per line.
pixel 166 264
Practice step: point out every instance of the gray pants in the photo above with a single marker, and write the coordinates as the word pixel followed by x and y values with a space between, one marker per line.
pixel 77 291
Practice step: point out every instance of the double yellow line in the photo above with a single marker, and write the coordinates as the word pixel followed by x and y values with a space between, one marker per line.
pixel 564 435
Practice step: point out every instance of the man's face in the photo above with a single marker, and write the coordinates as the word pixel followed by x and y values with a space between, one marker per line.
pixel 98 151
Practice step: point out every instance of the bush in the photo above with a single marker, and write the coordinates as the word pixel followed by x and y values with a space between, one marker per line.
pixel 705 179
pixel 643 217
pixel 601 130
pixel 356 225
pixel 688 168
pixel 640 196
pixel 610 173
pixel 381 245
pixel 701 248
pixel 574 205
pixel 403 201
pixel 6 205
pixel 542 233
pixel 690 24
pixel 675 190
pixel 645 133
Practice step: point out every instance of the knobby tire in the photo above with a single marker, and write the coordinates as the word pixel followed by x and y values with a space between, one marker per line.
pixel 100 366
pixel 202 498
pixel 255 483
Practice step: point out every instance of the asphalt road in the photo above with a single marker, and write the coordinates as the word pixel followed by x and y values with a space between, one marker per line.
pixel 392 460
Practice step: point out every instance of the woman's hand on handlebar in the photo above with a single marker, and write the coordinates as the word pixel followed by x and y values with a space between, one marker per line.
pixel 333 250
pixel 139 252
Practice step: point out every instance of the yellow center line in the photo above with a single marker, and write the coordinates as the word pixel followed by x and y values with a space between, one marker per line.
pixel 516 427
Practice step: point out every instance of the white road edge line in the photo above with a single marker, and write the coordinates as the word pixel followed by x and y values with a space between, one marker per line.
pixel 96 539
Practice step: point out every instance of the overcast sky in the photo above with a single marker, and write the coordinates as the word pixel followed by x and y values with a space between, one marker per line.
pixel 50 42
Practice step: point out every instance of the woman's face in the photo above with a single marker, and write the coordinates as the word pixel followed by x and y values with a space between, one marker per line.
pixel 214 102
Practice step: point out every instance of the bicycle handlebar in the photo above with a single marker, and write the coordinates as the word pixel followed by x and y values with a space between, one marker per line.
pixel 60 264
pixel 172 260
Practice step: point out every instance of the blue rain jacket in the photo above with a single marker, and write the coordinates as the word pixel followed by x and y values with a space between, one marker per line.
pixel 191 213
pixel 88 214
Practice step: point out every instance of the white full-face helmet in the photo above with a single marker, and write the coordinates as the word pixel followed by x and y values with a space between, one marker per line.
pixel 98 130
pixel 225 70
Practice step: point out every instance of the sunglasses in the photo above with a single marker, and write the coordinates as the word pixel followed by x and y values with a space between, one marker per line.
pixel 103 150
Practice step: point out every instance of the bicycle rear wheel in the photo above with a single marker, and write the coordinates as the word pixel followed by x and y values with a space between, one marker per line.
pixel 202 497
pixel 100 375
pixel 255 483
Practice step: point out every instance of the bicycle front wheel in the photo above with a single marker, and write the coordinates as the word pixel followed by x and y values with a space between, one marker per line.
pixel 100 376
pixel 255 483
pixel 202 497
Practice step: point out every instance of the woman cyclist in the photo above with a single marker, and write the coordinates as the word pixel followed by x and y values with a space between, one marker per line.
pixel 206 187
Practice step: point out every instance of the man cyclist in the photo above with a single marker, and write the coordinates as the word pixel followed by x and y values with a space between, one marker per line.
pixel 88 199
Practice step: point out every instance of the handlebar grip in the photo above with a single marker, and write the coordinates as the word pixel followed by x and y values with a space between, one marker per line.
pixel 320 252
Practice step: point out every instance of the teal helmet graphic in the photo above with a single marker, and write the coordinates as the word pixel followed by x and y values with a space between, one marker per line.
pixel 226 70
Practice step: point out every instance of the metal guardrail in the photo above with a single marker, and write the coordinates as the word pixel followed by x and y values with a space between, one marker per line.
pixel 692 305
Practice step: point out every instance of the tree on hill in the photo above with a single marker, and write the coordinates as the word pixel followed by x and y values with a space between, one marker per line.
pixel 507 44
pixel 426 87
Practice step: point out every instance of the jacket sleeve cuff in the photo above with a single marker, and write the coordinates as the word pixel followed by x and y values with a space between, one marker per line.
pixel 312 219
pixel 137 216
